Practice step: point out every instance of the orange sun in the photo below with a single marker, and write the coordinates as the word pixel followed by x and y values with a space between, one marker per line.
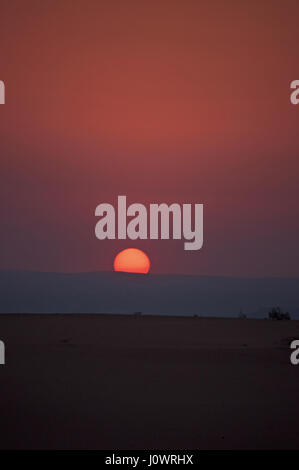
pixel 132 260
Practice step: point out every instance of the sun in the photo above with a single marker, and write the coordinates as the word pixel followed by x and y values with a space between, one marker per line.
pixel 132 260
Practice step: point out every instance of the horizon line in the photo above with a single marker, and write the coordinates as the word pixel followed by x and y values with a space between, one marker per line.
pixel 143 275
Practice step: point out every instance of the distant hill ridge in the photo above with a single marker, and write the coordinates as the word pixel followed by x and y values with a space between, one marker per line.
pixel 165 294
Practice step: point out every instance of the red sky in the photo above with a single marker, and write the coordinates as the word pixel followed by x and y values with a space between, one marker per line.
pixel 164 101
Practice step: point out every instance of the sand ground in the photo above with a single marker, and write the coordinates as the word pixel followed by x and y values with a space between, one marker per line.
pixel 121 382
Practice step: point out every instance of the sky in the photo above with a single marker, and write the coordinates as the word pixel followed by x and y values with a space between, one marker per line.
pixel 161 101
